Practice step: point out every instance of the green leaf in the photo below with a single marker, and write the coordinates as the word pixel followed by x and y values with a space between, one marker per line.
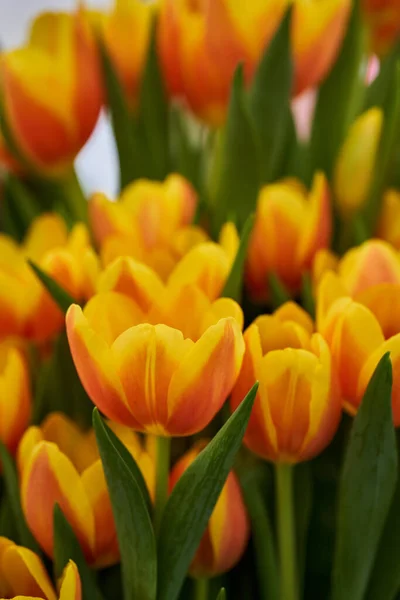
pixel 340 96
pixel 307 295
pixel 385 579
pixel 187 157
pixel 13 495
pixel 192 501
pixel 366 488
pixel 66 548
pixel 279 293
pixel 20 204
pixel 378 92
pixel 222 594
pixel 236 176
pixel 121 119
pixel 60 296
pixel 234 283
pixel 153 121
pixel 269 100
pixel 132 520
pixel 303 493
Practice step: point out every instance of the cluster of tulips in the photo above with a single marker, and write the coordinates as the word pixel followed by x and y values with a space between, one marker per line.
pixel 225 331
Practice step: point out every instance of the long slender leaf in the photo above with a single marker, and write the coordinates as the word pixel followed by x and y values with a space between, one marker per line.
pixel 278 291
pixel 366 488
pixel 133 524
pixel 193 499
pixel 234 283
pixel 60 296
pixel 66 547
pixel 22 206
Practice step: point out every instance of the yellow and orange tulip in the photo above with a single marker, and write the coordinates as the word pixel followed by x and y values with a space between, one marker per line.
pixel 150 376
pixel 15 395
pixel 225 538
pixel 297 407
pixel 60 55
pixel 58 458
pixel 23 575
pixel 389 220
pixel 201 44
pixel 383 18
pixel 290 227
pixel 357 155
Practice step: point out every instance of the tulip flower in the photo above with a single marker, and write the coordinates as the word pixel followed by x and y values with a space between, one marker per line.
pixel 23 575
pixel 389 221
pixel 149 376
pixel 58 458
pixel 201 44
pixel 357 155
pixel 53 80
pixel 324 261
pixel 227 533
pixel 383 19
pixel 15 395
pixel 370 274
pixel 297 407
pixel 127 20
pixel 288 231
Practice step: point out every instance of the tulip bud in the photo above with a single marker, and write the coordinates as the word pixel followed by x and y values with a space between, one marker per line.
pixel 297 407
pixel 225 539
pixel 357 156
pixel 389 222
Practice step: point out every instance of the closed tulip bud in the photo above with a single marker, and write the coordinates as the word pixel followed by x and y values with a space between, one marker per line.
pixel 23 575
pixel 227 533
pixel 15 395
pixel 290 227
pixel 297 407
pixel 60 56
pixel 357 155
pixel 383 19
pixel 370 274
pixel 150 377
pixel 389 221
pixel 56 458
pixel 127 20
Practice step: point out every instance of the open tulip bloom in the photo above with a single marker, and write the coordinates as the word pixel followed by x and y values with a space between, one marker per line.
pixel 200 377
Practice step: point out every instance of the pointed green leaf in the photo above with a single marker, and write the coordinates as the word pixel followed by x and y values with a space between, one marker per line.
pixel 234 283
pixel 269 100
pixel 307 295
pixel 60 296
pixel 366 488
pixel 222 594
pixel 279 293
pixel 132 520
pixel 66 548
pixel 340 96
pixel 21 205
pixel 192 501
pixel 13 495
pixel 236 176
pixel 121 119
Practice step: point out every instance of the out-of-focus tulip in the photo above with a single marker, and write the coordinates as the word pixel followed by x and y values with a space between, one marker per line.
pixel 227 532
pixel 149 376
pixel 389 220
pixel 26 308
pixel 297 408
pixel 383 18
pixel 53 80
pixel 370 274
pixel 23 575
pixel 357 156
pixel 324 261
pixel 290 227
pixel 15 395
pixel 202 43
pixel 127 20
pixel 58 458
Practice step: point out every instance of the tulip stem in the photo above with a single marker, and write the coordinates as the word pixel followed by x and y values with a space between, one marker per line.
pixel 286 531
pixel 201 589
pixel 163 452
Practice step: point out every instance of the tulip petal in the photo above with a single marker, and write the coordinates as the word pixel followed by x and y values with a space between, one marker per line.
pixel 15 398
pixel 290 311
pixel 25 573
pixel 70 588
pixel 383 301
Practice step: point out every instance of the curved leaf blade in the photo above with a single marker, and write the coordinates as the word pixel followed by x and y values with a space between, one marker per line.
pixel 60 296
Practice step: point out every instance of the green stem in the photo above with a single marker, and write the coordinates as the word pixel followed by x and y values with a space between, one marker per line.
pixel 286 531
pixel 163 451
pixel 201 589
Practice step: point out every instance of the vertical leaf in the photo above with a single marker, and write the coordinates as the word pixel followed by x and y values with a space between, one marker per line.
pixel 234 283
pixel 366 489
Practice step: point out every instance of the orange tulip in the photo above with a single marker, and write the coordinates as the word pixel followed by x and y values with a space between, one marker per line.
pixel 58 458
pixel 15 395
pixel 23 575
pixel 289 229
pixel 227 533
pixel 389 221
pixel 297 407
pixel 53 80
pixel 149 376
pixel 128 20
pixel 383 18
pixel 201 44
pixel 370 274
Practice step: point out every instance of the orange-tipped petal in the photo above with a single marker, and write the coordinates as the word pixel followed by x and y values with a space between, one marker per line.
pixel 70 584
pixel 111 313
pixel 22 573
